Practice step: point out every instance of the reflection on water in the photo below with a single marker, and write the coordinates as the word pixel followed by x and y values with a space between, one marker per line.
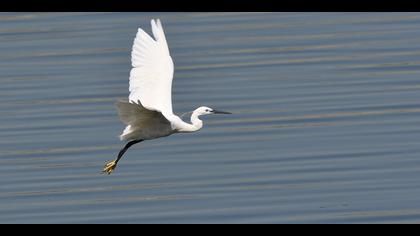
pixel 325 126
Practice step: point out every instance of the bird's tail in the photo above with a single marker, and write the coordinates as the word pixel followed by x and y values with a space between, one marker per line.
pixel 127 131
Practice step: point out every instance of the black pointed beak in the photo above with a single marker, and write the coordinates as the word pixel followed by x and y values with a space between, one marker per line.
pixel 220 112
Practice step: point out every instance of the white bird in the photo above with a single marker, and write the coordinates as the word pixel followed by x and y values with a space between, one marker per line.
pixel 148 112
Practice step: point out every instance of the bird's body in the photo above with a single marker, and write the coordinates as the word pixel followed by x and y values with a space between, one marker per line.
pixel 148 113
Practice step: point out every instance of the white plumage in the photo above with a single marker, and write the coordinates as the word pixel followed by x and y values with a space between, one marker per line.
pixel 151 77
pixel 148 112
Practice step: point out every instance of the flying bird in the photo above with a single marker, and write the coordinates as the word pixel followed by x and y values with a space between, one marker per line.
pixel 148 112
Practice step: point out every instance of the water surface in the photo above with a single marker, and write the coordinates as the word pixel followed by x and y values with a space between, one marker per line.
pixel 325 130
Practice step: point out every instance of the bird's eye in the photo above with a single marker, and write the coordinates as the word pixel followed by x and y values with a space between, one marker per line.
pixel 207 110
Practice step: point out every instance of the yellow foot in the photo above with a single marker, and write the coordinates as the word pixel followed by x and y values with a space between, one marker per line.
pixel 109 167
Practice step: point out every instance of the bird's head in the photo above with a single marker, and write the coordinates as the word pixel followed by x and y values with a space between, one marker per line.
pixel 208 111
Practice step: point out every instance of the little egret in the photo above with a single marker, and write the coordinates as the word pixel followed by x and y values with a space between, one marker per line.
pixel 148 112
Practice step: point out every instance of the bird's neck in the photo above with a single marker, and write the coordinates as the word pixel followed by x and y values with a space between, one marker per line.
pixel 196 124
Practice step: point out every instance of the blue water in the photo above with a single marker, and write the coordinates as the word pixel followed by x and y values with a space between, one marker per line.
pixel 325 128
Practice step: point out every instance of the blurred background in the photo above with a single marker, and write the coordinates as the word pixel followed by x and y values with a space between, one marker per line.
pixel 325 128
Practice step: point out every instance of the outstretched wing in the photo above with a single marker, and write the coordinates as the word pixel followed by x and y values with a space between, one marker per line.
pixel 152 73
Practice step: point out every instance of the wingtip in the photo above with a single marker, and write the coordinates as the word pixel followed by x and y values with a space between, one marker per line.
pixel 153 21
pixel 156 22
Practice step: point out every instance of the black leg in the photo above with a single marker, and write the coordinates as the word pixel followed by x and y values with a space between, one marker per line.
pixel 126 147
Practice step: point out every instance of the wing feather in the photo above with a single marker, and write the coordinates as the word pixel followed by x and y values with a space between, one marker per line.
pixel 152 72
pixel 141 122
